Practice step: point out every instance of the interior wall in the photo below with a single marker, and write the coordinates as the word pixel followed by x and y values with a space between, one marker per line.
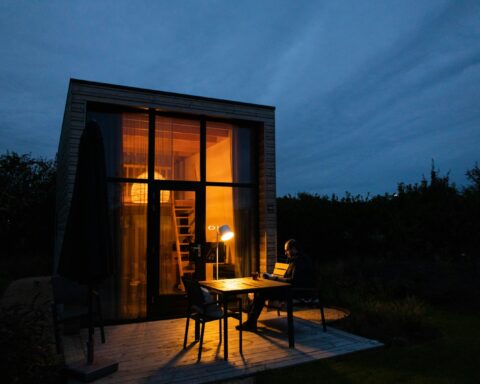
pixel 192 167
pixel 219 161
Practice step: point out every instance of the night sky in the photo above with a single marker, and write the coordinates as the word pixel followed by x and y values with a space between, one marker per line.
pixel 367 92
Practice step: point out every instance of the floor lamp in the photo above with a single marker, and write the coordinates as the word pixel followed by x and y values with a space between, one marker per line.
pixel 225 234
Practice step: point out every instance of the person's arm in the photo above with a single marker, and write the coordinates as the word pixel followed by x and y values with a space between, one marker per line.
pixel 284 279
pixel 270 276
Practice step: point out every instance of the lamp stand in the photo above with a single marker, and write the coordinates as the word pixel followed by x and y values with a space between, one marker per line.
pixel 226 233
pixel 216 255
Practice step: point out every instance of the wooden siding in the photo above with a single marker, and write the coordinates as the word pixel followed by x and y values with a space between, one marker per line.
pixel 82 92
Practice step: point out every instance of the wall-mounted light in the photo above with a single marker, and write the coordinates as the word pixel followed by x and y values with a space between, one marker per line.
pixel 225 234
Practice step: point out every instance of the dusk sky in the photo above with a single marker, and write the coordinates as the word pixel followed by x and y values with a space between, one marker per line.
pixel 367 93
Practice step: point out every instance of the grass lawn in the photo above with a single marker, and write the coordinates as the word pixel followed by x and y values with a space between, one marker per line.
pixel 453 357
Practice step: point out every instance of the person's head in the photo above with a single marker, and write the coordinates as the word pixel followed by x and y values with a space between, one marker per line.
pixel 291 248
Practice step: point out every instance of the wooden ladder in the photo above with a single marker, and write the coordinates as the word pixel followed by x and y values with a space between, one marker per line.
pixel 184 223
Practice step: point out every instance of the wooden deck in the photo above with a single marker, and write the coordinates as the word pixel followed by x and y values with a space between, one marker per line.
pixel 152 352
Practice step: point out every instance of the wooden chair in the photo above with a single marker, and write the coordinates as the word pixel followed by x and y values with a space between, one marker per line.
pixel 203 308
pixel 307 296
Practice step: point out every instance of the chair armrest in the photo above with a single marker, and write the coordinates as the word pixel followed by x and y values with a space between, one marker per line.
pixel 210 303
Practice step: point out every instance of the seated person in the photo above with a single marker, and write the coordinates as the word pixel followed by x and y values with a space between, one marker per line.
pixel 299 273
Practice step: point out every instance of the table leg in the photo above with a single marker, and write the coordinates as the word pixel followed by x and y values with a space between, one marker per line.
pixel 197 330
pixel 225 327
pixel 291 333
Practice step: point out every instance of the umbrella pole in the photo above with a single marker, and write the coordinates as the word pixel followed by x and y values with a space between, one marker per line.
pixel 90 370
pixel 90 342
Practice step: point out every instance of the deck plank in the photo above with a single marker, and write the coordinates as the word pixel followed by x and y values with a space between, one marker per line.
pixel 152 352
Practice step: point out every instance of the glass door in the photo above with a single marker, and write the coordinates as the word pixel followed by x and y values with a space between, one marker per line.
pixel 172 233
pixel 176 233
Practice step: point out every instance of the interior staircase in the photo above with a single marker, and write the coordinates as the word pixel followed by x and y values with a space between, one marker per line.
pixel 184 223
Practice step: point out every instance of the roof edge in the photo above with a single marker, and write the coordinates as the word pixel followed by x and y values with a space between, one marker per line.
pixel 194 97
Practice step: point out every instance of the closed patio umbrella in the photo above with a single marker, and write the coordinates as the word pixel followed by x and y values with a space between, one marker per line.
pixel 86 255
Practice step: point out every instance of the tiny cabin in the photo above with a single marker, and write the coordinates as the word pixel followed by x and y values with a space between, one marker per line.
pixel 178 168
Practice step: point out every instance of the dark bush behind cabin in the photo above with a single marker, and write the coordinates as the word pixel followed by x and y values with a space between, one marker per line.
pixel 423 240
pixel 27 208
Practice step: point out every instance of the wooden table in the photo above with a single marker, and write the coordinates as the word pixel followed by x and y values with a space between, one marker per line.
pixel 229 287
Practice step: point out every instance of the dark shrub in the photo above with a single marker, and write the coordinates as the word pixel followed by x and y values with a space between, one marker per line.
pixel 26 354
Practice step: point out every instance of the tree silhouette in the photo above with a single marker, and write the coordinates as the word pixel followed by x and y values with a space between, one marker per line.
pixel 27 207
pixel 415 241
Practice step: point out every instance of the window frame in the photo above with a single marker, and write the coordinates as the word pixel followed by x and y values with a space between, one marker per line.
pixel 200 186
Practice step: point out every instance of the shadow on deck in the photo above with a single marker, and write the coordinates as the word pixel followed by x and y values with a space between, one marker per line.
pixel 152 352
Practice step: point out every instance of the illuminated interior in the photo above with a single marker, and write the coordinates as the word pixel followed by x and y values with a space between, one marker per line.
pixel 229 159
pixel 177 232
pixel 219 210
pixel 130 244
pixel 219 152
pixel 139 192
pixel 177 148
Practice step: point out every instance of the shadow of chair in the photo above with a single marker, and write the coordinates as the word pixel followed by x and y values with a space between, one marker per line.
pixel 203 308
pixel 70 303
pixel 306 297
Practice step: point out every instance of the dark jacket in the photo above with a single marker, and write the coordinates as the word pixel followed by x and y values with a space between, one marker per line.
pixel 300 272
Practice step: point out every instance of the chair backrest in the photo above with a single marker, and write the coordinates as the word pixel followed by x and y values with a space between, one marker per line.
pixel 280 269
pixel 66 291
pixel 70 299
pixel 195 295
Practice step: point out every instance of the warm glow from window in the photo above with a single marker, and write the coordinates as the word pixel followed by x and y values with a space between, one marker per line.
pixel 134 156
pixel 177 148
pixel 219 152
pixel 139 191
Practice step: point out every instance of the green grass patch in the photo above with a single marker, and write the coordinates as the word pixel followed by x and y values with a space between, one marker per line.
pixel 451 357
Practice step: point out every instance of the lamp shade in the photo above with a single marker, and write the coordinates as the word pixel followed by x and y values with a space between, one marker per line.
pixel 225 232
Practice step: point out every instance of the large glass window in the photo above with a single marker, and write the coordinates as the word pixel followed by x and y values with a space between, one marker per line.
pixel 234 207
pixel 125 138
pixel 177 149
pixel 229 153
pixel 230 158
pixel 129 231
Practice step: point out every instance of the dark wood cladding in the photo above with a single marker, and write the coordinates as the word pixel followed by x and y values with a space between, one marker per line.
pixel 81 93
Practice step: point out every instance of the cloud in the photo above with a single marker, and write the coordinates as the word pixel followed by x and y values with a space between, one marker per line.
pixel 366 92
pixel 392 111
